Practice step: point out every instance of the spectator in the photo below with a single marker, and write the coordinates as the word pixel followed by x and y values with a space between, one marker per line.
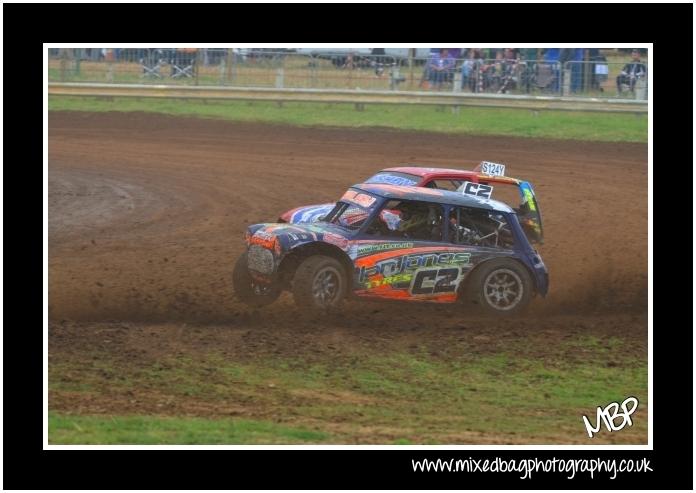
pixel 491 72
pixel 455 53
pixel 468 66
pixel 440 68
pixel 512 54
pixel 529 54
pixel 631 72
pixel 509 70
pixel 550 72
pixel 473 63
pixel 377 60
pixel 572 59
pixel 600 70
pixel 551 55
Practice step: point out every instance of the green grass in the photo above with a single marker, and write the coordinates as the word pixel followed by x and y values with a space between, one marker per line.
pixel 474 121
pixel 401 397
pixel 148 430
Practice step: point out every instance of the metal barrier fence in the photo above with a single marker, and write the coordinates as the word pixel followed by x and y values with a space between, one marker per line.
pixel 289 69
pixel 606 79
pixel 359 98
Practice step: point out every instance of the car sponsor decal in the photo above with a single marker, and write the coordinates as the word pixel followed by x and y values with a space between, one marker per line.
pixel 432 281
pixel 389 281
pixel 432 273
pixel 263 238
pixel 337 240
pixel 362 199
pixel 297 237
pixel 380 247
pixel 389 264
pixel 392 180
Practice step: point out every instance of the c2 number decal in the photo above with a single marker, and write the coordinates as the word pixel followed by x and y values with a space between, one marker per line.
pixel 476 189
pixel 432 281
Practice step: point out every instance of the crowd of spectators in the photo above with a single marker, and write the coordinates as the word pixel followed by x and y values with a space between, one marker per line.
pixel 525 70
pixel 480 69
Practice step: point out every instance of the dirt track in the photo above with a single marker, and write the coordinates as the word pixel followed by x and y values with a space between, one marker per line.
pixel 147 215
pixel 147 212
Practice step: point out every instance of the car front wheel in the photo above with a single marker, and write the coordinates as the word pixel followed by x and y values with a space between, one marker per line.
pixel 319 284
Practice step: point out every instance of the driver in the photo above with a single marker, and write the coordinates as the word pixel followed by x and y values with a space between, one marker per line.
pixel 414 220
pixel 462 234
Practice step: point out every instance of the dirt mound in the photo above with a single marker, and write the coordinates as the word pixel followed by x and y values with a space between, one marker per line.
pixel 147 212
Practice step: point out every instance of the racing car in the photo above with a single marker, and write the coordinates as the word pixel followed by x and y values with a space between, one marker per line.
pixel 485 173
pixel 447 247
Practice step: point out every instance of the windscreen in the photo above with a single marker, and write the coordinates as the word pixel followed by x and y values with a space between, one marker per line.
pixel 352 210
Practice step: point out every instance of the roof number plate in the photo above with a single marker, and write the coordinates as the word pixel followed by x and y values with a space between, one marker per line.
pixel 476 189
pixel 492 169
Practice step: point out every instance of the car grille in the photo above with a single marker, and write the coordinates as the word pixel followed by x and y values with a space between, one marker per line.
pixel 260 259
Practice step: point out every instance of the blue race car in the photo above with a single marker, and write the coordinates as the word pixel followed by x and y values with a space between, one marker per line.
pixel 446 247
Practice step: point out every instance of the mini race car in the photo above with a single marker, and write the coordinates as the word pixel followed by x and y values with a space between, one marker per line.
pixel 486 173
pixel 446 247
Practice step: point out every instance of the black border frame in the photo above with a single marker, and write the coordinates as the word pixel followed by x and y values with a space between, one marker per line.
pixel 26 26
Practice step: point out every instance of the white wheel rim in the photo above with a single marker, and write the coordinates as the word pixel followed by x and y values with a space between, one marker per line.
pixel 326 286
pixel 503 289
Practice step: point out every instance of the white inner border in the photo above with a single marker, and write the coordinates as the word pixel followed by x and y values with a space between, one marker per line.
pixel 581 430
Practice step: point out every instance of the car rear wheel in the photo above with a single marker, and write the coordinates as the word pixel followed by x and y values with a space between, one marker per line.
pixel 249 291
pixel 501 287
pixel 319 284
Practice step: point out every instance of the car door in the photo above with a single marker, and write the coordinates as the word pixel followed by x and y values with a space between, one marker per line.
pixel 390 263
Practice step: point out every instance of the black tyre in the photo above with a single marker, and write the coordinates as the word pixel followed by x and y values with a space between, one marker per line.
pixel 501 287
pixel 320 284
pixel 248 291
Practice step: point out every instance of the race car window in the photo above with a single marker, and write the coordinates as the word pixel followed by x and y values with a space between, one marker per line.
pixel 529 214
pixel 451 185
pixel 350 216
pixel 504 192
pixel 479 227
pixel 521 197
pixel 394 178
pixel 408 219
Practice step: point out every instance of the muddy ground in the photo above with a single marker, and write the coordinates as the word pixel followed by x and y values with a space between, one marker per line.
pixel 147 215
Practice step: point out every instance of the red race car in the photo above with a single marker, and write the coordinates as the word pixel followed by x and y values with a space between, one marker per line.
pixel 481 181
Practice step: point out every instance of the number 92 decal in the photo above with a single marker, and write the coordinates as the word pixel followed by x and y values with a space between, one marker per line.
pixel 433 281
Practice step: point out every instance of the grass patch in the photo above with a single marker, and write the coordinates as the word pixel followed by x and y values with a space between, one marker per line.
pixel 148 430
pixel 475 121
pixel 400 397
